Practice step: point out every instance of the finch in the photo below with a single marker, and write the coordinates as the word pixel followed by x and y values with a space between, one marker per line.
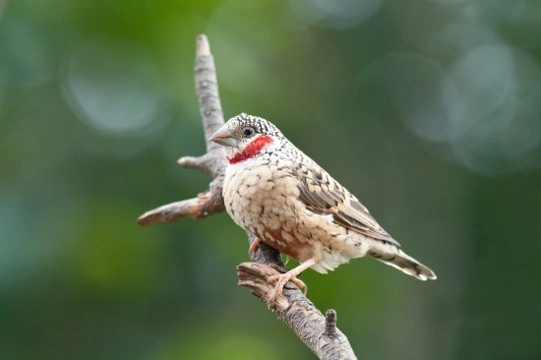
pixel 280 195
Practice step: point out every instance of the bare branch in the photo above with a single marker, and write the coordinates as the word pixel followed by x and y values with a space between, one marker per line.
pixel 317 331
pixel 298 312
pixel 206 87
pixel 213 162
pixel 170 212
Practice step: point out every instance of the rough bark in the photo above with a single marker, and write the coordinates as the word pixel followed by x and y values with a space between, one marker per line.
pixel 317 331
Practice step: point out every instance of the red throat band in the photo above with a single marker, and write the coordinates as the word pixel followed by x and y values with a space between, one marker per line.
pixel 251 150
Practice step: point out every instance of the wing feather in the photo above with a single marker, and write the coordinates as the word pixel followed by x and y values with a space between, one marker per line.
pixel 324 195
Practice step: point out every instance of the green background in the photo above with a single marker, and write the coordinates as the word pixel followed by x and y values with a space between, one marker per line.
pixel 428 110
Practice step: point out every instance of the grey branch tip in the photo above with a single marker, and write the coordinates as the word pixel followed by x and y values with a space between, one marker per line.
pixel 330 324
pixel 202 47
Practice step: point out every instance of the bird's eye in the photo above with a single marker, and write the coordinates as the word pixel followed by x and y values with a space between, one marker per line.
pixel 248 131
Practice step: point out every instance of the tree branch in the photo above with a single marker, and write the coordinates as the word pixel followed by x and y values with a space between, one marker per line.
pixel 316 330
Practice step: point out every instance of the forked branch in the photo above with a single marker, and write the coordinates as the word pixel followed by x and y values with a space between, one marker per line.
pixel 317 331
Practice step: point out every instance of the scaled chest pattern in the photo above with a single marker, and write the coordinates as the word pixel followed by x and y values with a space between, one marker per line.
pixel 262 198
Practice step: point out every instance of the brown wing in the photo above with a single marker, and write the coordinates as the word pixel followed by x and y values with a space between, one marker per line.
pixel 324 195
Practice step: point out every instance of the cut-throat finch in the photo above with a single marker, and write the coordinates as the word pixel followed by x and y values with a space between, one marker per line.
pixel 277 193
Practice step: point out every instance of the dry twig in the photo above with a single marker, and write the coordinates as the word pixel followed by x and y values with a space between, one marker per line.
pixel 317 331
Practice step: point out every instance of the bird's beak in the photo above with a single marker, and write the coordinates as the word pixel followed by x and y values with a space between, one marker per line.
pixel 224 137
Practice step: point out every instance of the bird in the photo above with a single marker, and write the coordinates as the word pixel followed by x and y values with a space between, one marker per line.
pixel 286 200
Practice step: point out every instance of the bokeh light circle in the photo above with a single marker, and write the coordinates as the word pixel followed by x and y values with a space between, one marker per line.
pixel 335 14
pixel 112 85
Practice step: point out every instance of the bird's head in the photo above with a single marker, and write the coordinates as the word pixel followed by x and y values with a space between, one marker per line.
pixel 245 137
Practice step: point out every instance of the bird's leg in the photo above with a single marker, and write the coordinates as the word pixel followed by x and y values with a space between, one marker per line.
pixel 291 275
pixel 253 247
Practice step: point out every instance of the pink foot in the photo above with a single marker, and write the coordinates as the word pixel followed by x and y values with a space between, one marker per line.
pixel 281 280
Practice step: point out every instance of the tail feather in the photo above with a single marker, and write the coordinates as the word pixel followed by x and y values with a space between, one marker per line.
pixel 405 263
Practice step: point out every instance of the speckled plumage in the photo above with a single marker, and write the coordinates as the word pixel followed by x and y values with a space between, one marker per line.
pixel 276 192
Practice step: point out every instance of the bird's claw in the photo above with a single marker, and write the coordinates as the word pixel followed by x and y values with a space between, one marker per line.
pixel 287 260
pixel 253 247
pixel 281 280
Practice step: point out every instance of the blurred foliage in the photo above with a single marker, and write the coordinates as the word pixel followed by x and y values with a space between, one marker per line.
pixel 428 110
